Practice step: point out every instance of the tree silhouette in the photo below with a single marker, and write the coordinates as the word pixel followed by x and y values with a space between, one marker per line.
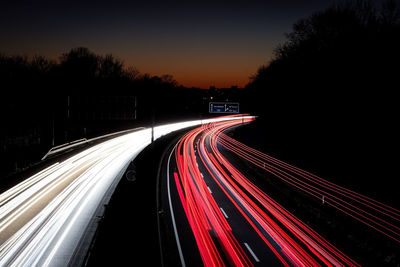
pixel 110 67
pixel 335 55
pixel 330 92
pixel 131 73
pixel 390 13
pixel 80 64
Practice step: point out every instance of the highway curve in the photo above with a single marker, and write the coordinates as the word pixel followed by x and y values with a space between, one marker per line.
pixel 221 218
pixel 49 219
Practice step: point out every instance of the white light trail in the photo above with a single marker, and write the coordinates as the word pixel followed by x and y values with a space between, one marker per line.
pixel 43 219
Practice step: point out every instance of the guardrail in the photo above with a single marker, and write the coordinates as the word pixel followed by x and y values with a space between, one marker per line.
pixel 59 233
pixel 66 146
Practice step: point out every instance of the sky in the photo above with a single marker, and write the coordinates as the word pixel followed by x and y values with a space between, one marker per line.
pixel 201 43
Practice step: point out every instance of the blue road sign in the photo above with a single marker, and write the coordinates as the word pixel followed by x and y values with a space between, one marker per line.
pixel 223 107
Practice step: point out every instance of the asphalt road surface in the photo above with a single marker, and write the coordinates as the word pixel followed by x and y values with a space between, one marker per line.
pixel 220 217
pixel 50 218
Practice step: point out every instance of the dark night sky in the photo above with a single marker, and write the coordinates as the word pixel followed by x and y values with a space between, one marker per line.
pixel 201 43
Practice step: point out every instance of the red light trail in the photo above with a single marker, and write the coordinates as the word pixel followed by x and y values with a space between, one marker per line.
pixel 287 238
pixel 374 214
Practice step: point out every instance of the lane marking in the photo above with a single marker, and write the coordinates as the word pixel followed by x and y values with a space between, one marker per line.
pixel 172 212
pixel 251 252
pixel 226 216
pixel 202 175
pixel 209 190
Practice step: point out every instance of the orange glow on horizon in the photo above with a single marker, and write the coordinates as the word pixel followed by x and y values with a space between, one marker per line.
pixel 203 72
pixel 218 82
pixel 205 77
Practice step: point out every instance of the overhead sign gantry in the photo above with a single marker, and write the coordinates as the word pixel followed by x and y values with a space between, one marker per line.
pixel 223 107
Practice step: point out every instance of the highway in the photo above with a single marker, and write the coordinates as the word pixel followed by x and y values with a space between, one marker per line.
pixel 45 219
pixel 220 217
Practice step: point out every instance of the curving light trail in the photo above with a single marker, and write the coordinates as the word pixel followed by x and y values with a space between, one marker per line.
pixel 219 242
pixel 372 213
pixel 43 219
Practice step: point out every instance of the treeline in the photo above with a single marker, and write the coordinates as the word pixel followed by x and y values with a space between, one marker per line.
pixel 331 89
pixel 49 102
pixel 39 90
pixel 40 83
pixel 77 71
pixel 346 54
pixel 337 71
